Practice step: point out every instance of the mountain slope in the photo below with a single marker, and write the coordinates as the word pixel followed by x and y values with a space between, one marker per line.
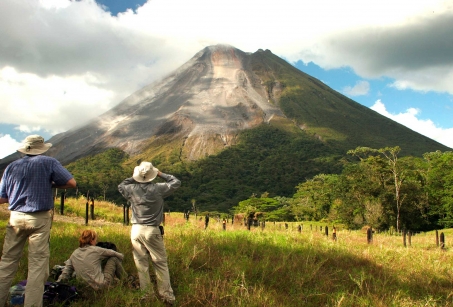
pixel 203 103
pixel 330 116
pixel 201 107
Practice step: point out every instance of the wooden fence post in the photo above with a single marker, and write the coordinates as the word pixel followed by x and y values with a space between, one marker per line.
pixel 92 208
pixel 369 235
pixel 62 203
pixel 442 240
pixel 404 237
pixel 409 238
pixel 326 231
pixel 437 238
pixel 86 214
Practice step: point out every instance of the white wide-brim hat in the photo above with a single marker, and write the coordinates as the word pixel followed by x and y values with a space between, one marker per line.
pixel 145 172
pixel 34 145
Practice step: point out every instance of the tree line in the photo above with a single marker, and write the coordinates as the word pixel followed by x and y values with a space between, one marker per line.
pixel 374 187
pixel 379 189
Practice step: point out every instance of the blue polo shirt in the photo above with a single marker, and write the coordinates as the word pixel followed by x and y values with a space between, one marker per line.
pixel 27 183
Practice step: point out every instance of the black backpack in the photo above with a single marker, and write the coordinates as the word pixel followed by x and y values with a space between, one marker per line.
pixel 108 245
pixel 59 293
pixel 56 271
pixel 54 294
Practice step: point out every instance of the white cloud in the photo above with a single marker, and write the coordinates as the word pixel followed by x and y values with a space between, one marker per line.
pixel 359 89
pixel 55 103
pixel 27 129
pixel 8 145
pixel 64 62
pixel 424 127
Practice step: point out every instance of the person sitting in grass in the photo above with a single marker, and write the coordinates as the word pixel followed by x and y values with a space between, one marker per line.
pixel 87 262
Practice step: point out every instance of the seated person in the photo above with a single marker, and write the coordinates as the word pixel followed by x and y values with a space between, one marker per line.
pixel 86 261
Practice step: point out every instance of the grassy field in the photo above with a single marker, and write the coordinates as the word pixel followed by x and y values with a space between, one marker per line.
pixel 273 266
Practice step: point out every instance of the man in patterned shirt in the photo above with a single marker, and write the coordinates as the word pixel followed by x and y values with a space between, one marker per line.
pixel 147 202
pixel 27 187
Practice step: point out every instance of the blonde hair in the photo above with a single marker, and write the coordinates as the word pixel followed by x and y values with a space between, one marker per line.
pixel 86 237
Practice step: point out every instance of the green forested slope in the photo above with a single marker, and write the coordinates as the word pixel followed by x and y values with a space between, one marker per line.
pixel 267 159
pixel 332 117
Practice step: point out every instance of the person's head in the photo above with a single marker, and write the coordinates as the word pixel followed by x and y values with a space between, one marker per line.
pixel 88 237
pixel 145 172
pixel 34 145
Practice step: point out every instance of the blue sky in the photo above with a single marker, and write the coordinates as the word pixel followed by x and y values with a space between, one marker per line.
pixel 65 62
pixel 431 105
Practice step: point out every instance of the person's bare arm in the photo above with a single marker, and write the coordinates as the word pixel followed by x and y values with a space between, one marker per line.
pixel 71 184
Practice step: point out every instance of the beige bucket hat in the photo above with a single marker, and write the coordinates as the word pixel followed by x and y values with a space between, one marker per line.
pixel 145 172
pixel 34 145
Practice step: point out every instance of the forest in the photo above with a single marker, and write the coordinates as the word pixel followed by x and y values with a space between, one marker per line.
pixel 380 190
pixel 293 177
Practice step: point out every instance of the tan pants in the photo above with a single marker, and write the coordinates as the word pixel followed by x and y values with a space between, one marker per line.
pixel 113 268
pixel 149 243
pixel 34 227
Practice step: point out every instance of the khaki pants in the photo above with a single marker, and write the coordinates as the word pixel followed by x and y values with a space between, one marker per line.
pixel 34 227
pixel 149 243
pixel 113 268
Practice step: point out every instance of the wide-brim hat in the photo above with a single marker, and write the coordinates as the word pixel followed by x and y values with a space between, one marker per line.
pixel 145 172
pixel 34 145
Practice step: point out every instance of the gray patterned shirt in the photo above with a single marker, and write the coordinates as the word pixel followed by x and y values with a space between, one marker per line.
pixel 147 199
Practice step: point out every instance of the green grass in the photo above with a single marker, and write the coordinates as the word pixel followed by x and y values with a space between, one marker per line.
pixel 275 266
pixel 104 210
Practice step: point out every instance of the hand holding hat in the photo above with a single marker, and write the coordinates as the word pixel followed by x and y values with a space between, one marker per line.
pixel 145 172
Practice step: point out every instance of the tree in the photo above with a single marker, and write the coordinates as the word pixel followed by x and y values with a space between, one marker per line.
pixel 104 186
pixel 194 208
pixel 273 209
pixel 439 186
pixel 359 185
pixel 373 213
pixel 313 198
pixel 398 172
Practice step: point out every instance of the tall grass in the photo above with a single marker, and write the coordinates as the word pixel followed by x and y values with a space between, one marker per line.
pixel 104 210
pixel 275 266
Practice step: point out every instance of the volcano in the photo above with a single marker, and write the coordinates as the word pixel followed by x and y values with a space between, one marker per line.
pixel 200 108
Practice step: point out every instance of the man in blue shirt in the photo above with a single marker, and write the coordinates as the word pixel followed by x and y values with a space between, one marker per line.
pixel 26 186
